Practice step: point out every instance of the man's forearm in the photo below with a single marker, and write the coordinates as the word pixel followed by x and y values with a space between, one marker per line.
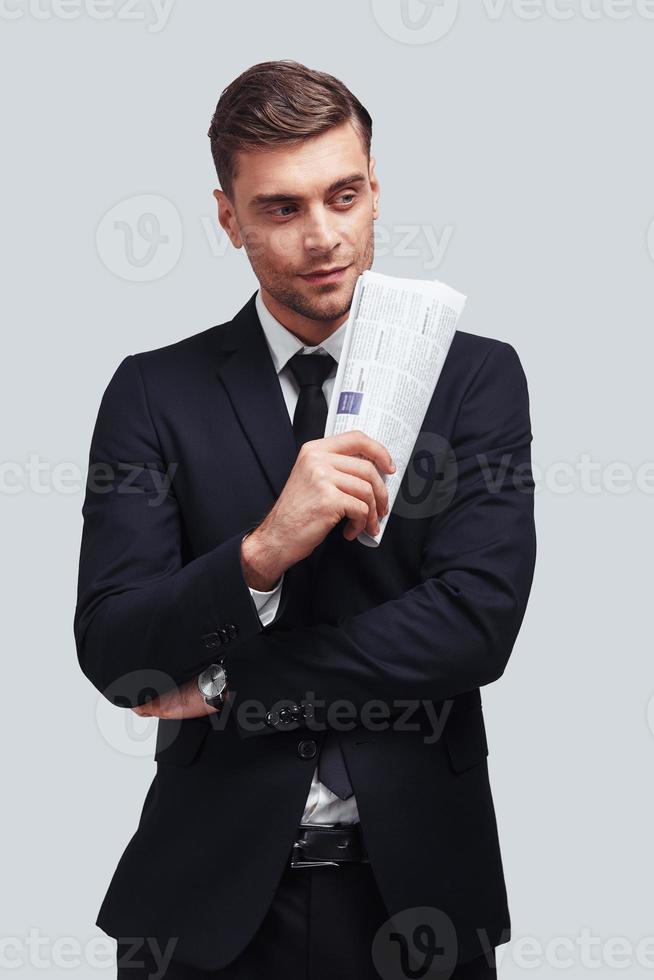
pixel 143 620
pixel 261 561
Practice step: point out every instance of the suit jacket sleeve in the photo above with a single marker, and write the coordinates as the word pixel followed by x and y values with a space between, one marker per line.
pixel 455 630
pixel 144 621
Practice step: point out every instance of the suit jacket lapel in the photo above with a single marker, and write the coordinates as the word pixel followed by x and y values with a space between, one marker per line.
pixel 248 374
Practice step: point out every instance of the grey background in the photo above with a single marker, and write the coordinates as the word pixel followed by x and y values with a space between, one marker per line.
pixel 522 143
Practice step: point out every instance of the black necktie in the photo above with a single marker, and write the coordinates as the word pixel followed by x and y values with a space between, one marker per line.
pixel 310 371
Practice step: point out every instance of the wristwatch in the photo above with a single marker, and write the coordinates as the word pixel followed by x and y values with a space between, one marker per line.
pixel 212 684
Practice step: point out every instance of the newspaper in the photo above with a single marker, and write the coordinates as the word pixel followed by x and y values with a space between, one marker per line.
pixel 396 340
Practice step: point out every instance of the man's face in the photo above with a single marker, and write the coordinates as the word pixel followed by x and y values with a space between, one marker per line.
pixel 304 209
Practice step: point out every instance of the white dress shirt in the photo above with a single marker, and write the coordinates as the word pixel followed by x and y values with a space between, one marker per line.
pixel 322 805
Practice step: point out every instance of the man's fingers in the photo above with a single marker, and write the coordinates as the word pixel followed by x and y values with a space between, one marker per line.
pixel 184 702
pixel 358 513
pixel 356 442
pixel 361 489
pixel 143 710
pixel 365 471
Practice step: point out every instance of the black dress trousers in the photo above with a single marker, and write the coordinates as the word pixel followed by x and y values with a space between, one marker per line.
pixel 320 926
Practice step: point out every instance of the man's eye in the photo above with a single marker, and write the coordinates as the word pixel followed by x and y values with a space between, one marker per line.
pixel 282 207
pixel 285 210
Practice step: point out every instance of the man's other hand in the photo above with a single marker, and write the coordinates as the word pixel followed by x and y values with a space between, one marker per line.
pixel 182 702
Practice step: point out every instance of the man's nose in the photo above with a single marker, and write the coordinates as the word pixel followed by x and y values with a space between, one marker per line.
pixel 321 233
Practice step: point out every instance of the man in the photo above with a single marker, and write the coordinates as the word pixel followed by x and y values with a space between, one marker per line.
pixel 321 806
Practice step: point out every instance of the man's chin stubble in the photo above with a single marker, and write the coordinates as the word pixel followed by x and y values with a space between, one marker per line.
pixel 299 304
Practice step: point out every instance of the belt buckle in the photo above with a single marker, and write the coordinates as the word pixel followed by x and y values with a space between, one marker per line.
pixel 296 862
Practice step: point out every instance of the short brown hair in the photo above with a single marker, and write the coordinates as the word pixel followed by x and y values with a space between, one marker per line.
pixel 275 103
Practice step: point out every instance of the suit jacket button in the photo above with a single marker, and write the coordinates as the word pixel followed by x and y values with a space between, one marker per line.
pixel 307 748
pixel 272 719
pixel 232 630
pixel 286 715
pixel 211 640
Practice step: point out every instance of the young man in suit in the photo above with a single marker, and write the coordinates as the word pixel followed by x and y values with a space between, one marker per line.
pixel 321 804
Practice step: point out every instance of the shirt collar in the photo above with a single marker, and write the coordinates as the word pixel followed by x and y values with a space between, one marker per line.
pixel 283 344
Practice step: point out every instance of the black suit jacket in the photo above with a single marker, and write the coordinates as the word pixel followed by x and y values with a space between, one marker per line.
pixel 191 447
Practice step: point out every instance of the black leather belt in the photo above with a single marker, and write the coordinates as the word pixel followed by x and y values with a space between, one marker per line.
pixel 316 845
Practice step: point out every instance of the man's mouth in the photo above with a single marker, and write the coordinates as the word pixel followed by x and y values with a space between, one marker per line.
pixel 325 275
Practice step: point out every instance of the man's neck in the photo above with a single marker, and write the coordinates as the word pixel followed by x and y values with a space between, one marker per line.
pixel 310 332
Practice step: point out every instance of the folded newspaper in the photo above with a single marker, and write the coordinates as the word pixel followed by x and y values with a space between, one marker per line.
pixel 396 340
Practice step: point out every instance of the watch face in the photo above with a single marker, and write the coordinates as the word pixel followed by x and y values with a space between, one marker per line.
pixel 212 681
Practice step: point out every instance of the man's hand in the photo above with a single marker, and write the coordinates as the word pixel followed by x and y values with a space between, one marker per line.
pixel 182 702
pixel 332 478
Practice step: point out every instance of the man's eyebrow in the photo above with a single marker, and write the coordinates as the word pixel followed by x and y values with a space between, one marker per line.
pixel 356 178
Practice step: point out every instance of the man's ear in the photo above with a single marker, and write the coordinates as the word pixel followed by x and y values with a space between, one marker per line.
pixel 227 217
pixel 374 186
